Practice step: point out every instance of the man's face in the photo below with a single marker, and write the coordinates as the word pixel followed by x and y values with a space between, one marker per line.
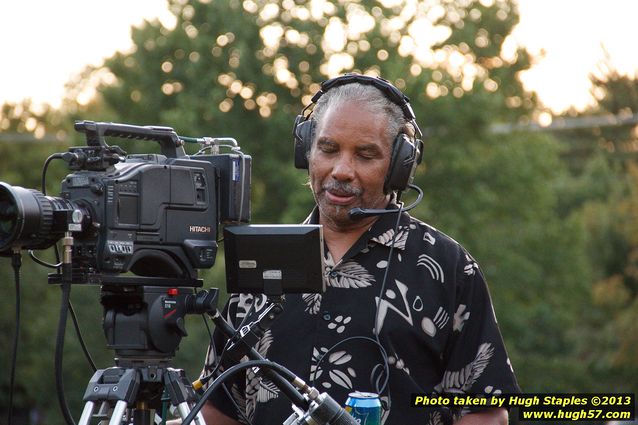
pixel 348 162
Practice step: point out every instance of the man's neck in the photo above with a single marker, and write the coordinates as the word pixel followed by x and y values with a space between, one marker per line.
pixel 339 238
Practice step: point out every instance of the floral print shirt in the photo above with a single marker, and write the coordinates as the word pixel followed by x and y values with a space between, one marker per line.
pixel 434 320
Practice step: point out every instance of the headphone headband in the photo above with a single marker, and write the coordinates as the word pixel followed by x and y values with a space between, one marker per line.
pixel 392 93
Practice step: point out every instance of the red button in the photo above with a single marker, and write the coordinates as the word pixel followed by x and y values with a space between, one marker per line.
pixel 172 291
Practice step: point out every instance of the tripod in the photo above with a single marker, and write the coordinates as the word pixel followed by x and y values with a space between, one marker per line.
pixel 144 325
pixel 128 393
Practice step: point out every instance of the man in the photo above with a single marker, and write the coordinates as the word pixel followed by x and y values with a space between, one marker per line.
pixel 401 296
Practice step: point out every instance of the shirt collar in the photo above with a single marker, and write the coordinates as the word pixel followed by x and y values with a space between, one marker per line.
pixel 381 231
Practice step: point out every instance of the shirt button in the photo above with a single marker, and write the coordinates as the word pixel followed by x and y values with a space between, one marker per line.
pixel 326 316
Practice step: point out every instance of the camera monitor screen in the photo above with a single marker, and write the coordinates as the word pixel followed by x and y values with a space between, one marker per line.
pixel 274 259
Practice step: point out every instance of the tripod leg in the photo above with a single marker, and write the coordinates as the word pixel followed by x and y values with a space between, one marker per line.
pixel 181 394
pixel 199 419
pixel 89 408
pixel 184 409
pixel 118 413
pixel 87 413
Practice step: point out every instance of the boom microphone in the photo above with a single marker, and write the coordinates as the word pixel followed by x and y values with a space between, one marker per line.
pixel 360 213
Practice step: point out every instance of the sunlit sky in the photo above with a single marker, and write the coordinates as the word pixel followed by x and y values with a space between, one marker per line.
pixel 44 43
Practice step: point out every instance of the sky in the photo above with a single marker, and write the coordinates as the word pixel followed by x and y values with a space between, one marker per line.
pixel 44 43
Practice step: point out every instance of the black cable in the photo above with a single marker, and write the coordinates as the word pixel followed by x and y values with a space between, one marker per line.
pixel 44 170
pixel 250 311
pixel 43 184
pixel 57 259
pixel 16 262
pixel 383 377
pixel 76 324
pixel 247 316
pixel 64 303
pixel 210 332
pixel 78 332
pixel 241 413
pixel 277 368
pixel 59 348
pixel 385 279
pixel 42 262
pixel 384 356
pixel 419 197
pixel 43 188
pixel 206 378
pixel 292 394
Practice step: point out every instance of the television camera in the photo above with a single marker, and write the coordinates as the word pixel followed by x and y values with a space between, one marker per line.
pixel 155 215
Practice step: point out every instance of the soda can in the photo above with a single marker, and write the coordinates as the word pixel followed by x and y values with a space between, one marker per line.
pixel 364 407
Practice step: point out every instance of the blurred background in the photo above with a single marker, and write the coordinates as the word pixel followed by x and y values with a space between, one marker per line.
pixel 529 109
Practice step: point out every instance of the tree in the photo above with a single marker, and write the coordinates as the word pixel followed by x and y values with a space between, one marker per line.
pixel 610 218
pixel 244 69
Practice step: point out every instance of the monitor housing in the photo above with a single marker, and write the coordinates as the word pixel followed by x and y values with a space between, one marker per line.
pixel 274 259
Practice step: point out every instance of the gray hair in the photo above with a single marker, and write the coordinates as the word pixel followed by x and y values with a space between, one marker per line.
pixel 371 99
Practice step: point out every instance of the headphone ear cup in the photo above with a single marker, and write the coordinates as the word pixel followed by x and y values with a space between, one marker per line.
pixel 402 164
pixel 303 132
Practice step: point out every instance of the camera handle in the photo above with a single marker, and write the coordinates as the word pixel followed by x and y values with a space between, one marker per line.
pixel 170 144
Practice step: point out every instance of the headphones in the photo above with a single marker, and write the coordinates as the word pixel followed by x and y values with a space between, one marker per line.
pixel 407 152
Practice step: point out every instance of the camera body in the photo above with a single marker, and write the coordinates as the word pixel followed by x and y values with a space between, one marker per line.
pixel 151 215
pixel 155 215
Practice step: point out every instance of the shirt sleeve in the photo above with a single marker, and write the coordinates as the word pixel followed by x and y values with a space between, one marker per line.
pixel 477 362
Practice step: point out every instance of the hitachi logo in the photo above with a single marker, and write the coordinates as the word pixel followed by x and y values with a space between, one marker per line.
pixel 199 229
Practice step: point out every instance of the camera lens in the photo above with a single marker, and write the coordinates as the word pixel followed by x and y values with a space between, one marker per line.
pixel 26 218
pixel 8 216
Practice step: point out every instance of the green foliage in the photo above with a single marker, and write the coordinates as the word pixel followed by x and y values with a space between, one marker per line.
pixel 615 93
pixel 614 246
pixel 502 205
pixel 602 195
pixel 216 74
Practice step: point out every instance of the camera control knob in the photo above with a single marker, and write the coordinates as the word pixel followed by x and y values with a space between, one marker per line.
pixel 181 327
pixel 97 188
pixel 173 313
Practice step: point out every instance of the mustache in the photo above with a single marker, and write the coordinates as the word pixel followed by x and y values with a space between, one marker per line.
pixel 342 188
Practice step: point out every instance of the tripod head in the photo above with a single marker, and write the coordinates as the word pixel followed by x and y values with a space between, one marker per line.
pixel 145 324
